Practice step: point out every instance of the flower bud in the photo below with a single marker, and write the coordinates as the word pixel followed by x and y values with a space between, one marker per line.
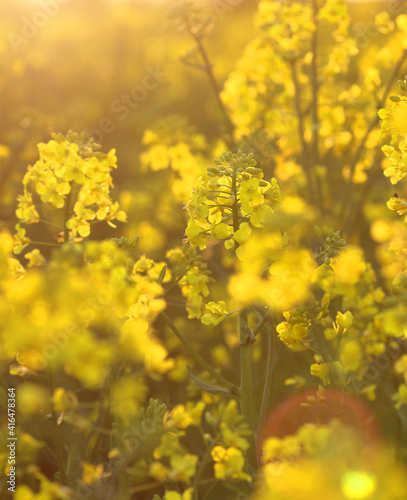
pixel 213 170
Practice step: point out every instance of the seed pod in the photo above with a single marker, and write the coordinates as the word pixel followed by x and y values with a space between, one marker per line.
pixel 214 170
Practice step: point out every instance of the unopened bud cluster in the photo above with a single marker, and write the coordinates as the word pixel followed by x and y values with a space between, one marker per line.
pixel 332 242
pixel 126 243
pixel 228 163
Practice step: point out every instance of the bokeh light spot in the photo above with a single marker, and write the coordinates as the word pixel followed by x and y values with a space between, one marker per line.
pixel 358 485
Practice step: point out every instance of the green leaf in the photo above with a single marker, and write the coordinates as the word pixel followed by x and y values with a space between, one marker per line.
pixel 207 387
pixel 160 278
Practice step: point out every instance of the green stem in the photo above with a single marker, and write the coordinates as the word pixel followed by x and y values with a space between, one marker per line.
pixel 261 323
pixel 315 118
pixel 268 379
pixel 246 400
pixel 301 132
pixel 124 486
pixel 44 243
pixel 209 490
pixel 55 430
pixel 67 214
pixel 72 459
pixel 176 281
pixel 198 358
pixel 202 466
pixel 101 420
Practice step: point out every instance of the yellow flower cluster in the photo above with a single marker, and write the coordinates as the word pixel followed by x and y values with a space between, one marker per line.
pixel 193 277
pixel 229 463
pixel 234 200
pixel 394 119
pixel 293 335
pixel 398 160
pixel 217 313
pixel 294 331
pixel 74 316
pixel 182 465
pixel 393 320
pixel 71 175
pixel 228 422
pixel 330 372
pixel 400 397
pixel 226 448
pixel 176 146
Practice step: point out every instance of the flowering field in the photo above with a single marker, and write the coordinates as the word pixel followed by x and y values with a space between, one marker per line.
pixel 203 241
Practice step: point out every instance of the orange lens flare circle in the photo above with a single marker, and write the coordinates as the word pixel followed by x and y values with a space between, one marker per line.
pixel 289 415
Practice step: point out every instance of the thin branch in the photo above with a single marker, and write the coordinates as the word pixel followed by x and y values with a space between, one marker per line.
pixel 56 431
pixel 209 72
pixel 176 281
pixel 44 243
pixel 314 102
pixel 198 358
pixel 50 224
pixel 301 133
pixel 203 463
pixel 67 215
pixel 261 323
